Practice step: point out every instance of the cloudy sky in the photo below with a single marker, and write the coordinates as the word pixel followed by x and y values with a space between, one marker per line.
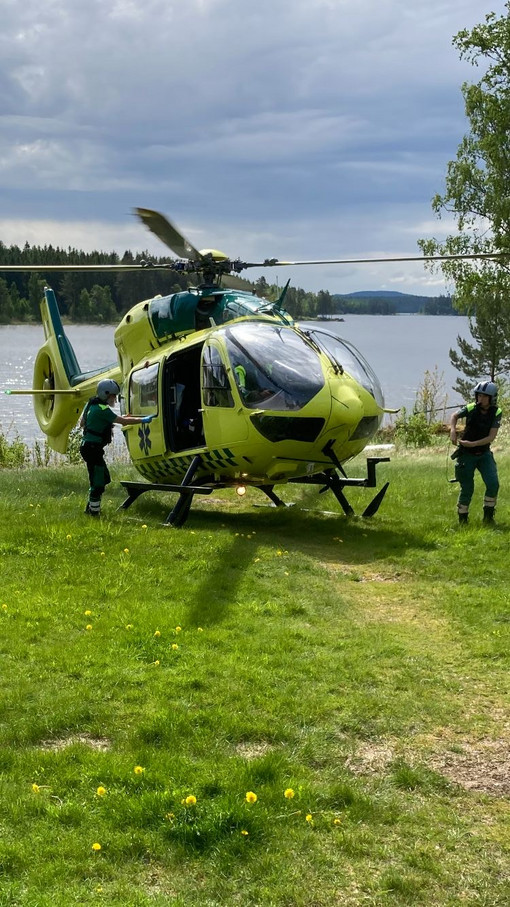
pixel 293 129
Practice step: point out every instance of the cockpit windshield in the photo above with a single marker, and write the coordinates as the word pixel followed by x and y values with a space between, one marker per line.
pixel 344 354
pixel 274 367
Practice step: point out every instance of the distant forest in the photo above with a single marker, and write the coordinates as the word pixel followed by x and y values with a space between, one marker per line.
pixel 103 298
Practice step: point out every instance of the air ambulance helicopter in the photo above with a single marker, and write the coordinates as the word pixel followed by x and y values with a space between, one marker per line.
pixel 242 395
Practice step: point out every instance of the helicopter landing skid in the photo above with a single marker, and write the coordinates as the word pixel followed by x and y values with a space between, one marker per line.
pixel 332 481
pixel 179 513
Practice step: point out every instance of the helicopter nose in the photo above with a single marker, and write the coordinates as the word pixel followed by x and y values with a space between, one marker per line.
pixel 346 408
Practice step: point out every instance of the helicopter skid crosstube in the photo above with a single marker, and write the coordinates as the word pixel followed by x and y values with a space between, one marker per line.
pixel 329 479
pixel 332 481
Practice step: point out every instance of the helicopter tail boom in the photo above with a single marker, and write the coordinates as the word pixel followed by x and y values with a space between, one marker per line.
pixel 61 388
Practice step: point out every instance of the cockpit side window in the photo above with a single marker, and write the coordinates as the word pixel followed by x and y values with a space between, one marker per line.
pixel 215 382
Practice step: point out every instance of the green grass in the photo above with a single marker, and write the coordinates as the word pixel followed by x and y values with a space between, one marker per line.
pixel 363 664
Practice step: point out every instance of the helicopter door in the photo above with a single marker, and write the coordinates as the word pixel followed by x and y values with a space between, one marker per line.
pixel 225 422
pixel 183 412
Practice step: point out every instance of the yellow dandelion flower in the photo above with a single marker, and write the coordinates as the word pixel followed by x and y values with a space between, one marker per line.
pixel 68 536
pixel 144 525
pixel 157 633
pixel 200 629
pixel 96 847
pixel 245 833
pixel 174 646
pixel 101 791
pixel 288 794
pixel 279 552
pixel 309 817
pixel 102 554
pixel 251 797
pixel 191 800
pixel 88 627
pixel 36 789
pixel 129 626
pixel 156 663
pixel 126 550
pixel 4 607
pixel 337 821
pixel 87 613
pixel 138 770
pixel 178 629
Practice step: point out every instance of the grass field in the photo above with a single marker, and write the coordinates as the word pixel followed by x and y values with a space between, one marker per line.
pixel 265 707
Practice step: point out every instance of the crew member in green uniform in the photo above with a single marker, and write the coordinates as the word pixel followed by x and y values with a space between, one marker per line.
pixel 96 422
pixel 483 418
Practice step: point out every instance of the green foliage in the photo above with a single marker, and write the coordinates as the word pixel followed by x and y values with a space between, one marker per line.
pixel 13 454
pixel 413 429
pixel 477 194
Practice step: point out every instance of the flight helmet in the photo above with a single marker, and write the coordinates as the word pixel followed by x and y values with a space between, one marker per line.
pixel 486 387
pixel 106 387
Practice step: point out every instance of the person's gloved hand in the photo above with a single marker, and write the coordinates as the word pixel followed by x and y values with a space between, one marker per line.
pixel 148 419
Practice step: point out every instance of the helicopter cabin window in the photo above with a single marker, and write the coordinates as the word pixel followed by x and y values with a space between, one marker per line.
pixel 273 366
pixel 344 354
pixel 215 381
pixel 143 390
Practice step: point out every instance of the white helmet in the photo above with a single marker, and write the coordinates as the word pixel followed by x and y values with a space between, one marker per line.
pixel 106 387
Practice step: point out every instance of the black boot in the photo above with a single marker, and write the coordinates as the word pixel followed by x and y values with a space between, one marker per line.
pixel 488 514
pixel 463 518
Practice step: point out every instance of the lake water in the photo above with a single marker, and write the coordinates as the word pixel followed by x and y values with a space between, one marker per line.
pixel 400 349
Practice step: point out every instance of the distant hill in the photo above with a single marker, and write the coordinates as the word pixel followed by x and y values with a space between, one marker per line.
pixel 392 302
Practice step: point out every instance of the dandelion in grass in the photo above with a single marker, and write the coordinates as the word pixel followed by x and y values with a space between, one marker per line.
pixel 279 553
pixel 289 793
pixel 101 791
pixel 245 833
pixel 138 770
pixel 144 525
pixel 251 797
pixel 129 626
pixel 309 818
pixel 157 633
pixel 337 821
pixel 200 629
pixel 191 800
pixel 36 789
pixel 178 629
pixel 4 607
pixel 126 550
pixel 88 627
pixel 102 554
pixel 174 646
pixel 156 663
pixel 88 613
pixel 68 537
pixel 96 847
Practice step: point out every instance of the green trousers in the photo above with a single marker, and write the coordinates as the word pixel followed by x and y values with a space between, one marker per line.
pixel 465 468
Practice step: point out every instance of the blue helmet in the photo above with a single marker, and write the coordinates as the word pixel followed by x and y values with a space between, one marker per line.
pixel 106 387
pixel 487 387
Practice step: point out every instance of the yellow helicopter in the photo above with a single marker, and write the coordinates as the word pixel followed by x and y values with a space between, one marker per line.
pixel 242 395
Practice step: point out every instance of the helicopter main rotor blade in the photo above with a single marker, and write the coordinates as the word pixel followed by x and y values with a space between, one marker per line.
pixel 276 263
pixel 141 266
pixel 168 233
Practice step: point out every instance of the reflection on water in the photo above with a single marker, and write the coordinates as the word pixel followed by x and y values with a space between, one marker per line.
pixel 399 348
